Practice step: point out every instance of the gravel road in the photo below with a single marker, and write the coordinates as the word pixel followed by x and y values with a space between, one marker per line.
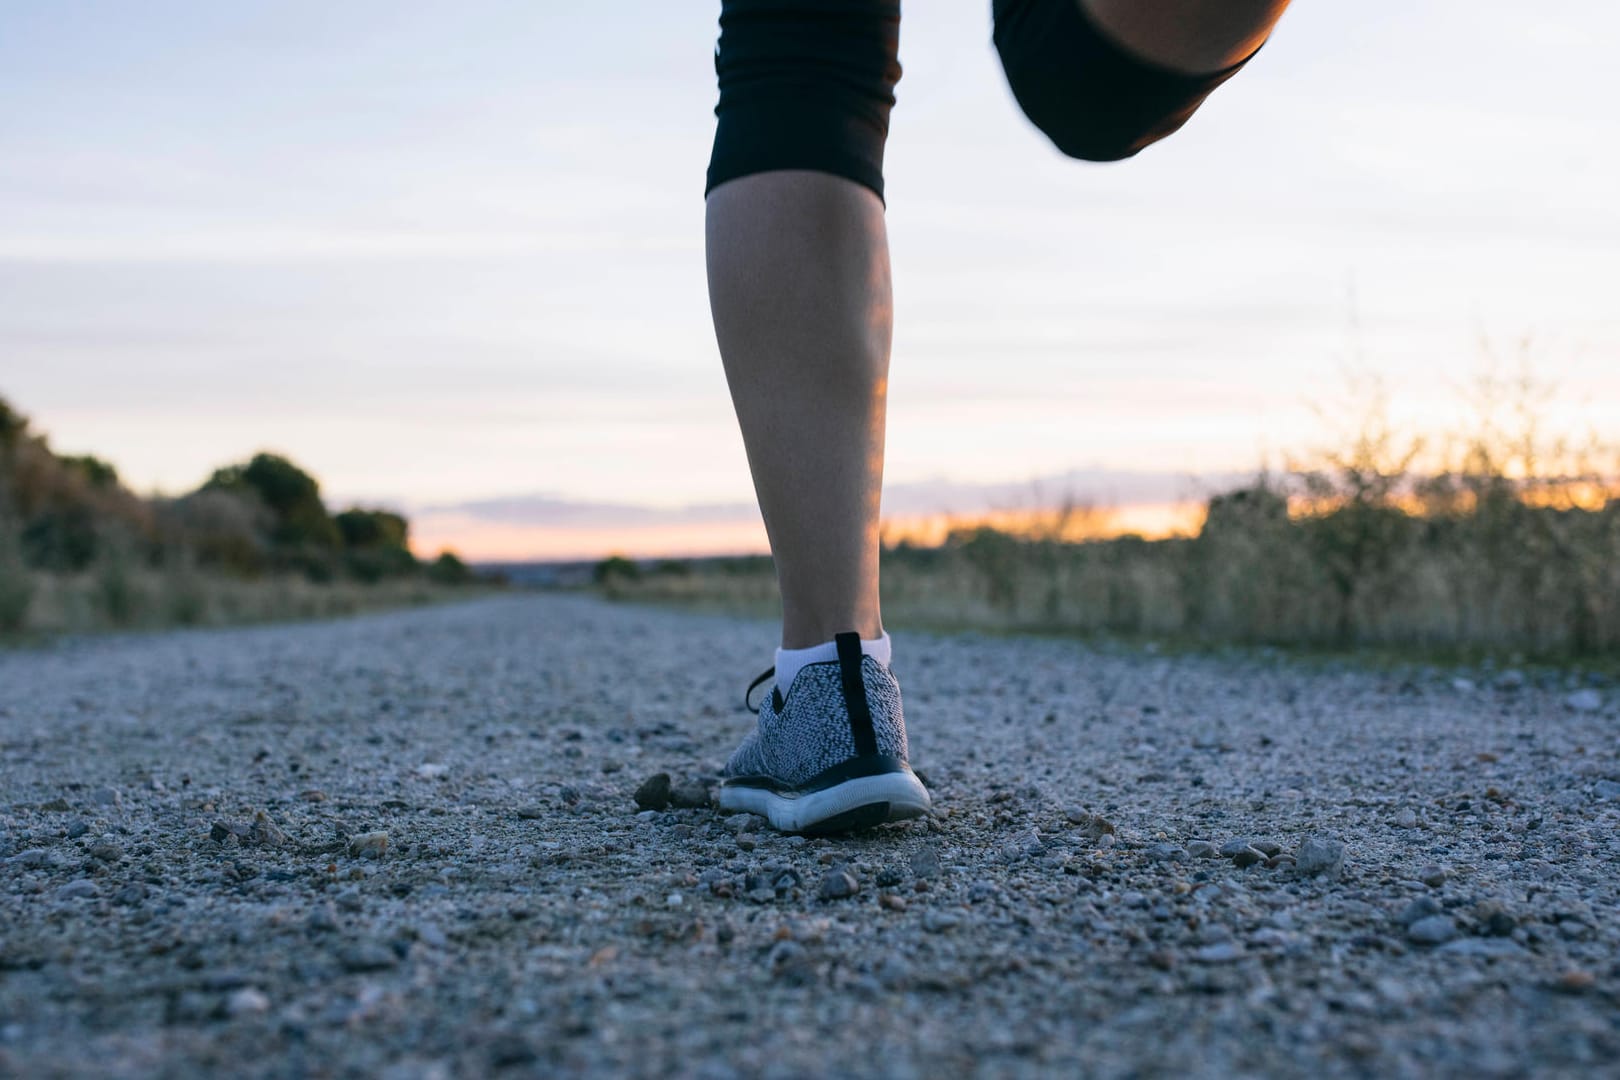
pixel 409 845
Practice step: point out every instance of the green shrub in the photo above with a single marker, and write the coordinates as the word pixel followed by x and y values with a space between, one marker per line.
pixel 615 568
pixel 302 525
pixel 224 529
pixel 16 581
pixel 448 569
pixel 376 544
pixel 117 595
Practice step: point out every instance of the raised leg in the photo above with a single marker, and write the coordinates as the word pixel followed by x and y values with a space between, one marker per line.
pixel 1195 37
pixel 1103 79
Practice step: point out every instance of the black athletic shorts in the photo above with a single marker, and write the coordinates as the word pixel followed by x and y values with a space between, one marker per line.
pixel 808 84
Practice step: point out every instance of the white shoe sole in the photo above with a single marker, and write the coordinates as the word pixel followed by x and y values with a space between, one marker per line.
pixel 853 804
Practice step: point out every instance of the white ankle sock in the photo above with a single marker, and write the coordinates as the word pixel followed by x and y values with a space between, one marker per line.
pixel 789 661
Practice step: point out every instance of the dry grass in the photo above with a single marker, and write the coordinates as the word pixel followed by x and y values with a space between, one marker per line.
pixel 1516 580
pixel 113 596
pixel 1501 541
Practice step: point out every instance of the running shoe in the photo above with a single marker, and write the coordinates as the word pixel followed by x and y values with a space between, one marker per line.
pixel 830 755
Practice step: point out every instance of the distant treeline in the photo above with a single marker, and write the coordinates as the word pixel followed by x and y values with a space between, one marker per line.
pixel 1496 575
pixel 1502 543
pixel 70 516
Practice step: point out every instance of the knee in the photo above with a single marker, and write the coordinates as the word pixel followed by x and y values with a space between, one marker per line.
pixel 1088 95
pixel 805 84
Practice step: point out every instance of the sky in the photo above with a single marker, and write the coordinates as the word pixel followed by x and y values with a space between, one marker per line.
pixel 449 257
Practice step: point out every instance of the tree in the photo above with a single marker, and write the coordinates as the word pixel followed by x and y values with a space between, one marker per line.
pixel 96 472
pixel 375 543
pixel 302 528
pixel 372 529
pixel 448 569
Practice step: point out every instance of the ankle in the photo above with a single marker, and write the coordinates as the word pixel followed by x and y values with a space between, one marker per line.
pixel 805 633
pixel 789 662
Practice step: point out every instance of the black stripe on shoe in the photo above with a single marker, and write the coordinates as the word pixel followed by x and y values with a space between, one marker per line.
pixel 860 715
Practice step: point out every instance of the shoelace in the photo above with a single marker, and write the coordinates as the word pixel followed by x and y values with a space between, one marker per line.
pixel 748 693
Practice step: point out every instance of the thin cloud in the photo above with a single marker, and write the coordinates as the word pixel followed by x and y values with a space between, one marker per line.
pixel 1101 487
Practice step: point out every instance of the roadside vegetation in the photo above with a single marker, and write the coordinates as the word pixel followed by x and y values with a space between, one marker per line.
pixel 80 551
pixel 1493 540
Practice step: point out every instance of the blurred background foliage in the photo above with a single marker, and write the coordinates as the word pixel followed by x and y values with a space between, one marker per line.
pixel 1494 538
pixel 79 550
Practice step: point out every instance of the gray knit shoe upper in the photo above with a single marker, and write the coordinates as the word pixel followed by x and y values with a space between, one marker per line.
pixel 808 731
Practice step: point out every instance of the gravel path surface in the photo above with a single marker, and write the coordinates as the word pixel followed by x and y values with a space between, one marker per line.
pixel 408 845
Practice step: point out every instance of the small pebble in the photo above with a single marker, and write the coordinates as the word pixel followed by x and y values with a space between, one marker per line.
pixel 1433 930
pixel 322 918
pixel 893 972
pixel 690 795
pixel 839 884
pixel 743 823
pixel 1320 856
pixel 130 895
pixel 788 959
pixel 1248 856
pixel 1584 701
pixel 82 889
pixel 925 863
pixel 1433 876
pixel 369 845
pixel 1223 952
pixel 224 830
pixel 1491 948
pixel 266 832
pixel 247 1002
pixel 509 1050
pixel 367 956
pixel 1495 919
pixel 1575 981
pixel 1092 826
pixel 1421 908
pixel 653 794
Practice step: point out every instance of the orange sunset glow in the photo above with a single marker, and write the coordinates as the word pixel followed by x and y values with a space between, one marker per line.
pixel 484 541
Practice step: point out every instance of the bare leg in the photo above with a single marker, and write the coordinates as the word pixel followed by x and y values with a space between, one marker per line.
pixel 800 292
pixel 1193 36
